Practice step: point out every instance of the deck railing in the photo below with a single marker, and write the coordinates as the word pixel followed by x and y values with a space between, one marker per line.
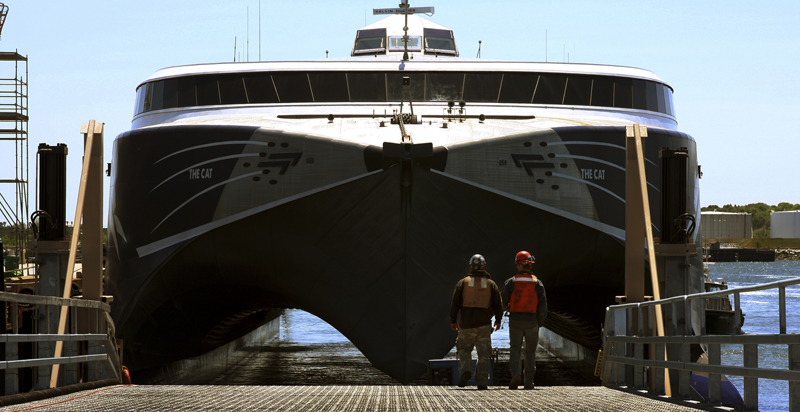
pixel 95 319
pixel 624 348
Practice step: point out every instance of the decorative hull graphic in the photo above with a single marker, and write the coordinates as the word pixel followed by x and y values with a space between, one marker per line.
pixel 211 227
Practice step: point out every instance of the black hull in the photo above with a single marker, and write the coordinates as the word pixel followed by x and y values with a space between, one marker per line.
pixel 376 257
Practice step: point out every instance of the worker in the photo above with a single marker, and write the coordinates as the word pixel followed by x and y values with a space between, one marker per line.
pixel 525 300
pixel 476 298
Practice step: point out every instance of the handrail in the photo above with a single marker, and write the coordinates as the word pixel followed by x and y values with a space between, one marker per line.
pixel 726 292
pixel 624 345
pixel 52 300
pixel 104 334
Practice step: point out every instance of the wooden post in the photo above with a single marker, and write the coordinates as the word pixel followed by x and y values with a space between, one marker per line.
pixel 92 240
pixel 637 226
pixel 91 130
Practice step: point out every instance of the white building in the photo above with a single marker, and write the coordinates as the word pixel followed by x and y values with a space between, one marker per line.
pixel 785 224
pixel 726 225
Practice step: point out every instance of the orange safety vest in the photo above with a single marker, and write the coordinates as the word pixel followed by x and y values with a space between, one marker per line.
pixel 524 297
pixel 477 292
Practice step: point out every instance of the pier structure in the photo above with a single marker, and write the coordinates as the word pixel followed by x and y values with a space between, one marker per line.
pixel 626 361
pixel 351 398
pixel 14 175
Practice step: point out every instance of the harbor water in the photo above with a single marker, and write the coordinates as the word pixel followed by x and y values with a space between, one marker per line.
pixel 761 317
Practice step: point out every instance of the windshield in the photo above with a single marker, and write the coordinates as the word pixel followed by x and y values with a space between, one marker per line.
pixel 438 43
pixel 369 43
pixel 414 43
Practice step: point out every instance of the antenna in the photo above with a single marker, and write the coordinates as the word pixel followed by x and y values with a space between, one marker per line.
pixel 259 30
pixel 248 33
pixel 234 48
pixel 479 50
pixel 404 5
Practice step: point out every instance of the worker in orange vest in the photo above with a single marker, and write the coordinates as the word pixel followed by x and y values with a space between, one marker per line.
pixel 476 298
pixel 525 300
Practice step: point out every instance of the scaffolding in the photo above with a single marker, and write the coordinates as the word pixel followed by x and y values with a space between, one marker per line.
pixel 14 207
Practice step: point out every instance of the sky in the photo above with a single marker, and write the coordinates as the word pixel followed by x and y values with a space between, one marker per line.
pixel 733 65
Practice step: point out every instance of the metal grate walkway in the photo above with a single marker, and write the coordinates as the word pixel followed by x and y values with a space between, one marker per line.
pixel 348 398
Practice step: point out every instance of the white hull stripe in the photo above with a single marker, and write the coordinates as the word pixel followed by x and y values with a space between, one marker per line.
pixel 199 230
pixel 589 143
pixel 217 159
pixel 601 227
pixel 224 143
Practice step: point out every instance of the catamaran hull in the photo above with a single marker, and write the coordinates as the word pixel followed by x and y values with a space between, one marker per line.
pixel 370 239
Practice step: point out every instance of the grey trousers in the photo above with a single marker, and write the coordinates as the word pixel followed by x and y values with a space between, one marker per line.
pixel 530 332
pixel 481 339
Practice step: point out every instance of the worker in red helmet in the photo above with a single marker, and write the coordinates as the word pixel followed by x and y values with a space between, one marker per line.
pixel 524 298
pixel 476 298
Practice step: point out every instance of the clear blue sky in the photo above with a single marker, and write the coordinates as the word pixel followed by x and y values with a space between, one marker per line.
pixel 733 64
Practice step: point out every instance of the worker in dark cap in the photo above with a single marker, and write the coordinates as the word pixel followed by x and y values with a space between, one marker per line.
pixel 525 300
pixel 476 298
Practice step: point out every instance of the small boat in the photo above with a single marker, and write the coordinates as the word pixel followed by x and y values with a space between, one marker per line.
pixel 720 315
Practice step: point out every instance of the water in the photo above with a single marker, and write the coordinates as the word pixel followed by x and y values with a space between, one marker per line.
pixel 761 310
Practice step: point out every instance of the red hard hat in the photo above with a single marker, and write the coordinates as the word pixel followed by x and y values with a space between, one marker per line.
pixel 524 258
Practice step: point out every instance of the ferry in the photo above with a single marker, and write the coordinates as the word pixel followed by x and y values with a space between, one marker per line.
pixel 358 188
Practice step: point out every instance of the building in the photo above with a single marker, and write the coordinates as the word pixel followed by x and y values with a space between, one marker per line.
pixel 785 224
pixel 726 225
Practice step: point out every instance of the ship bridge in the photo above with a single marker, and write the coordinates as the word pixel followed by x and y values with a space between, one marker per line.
pixel 386 37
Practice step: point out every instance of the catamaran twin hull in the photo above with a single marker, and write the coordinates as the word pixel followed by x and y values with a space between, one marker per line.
pixel 214 226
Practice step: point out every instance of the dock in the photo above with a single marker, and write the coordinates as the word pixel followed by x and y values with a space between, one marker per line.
pixel 349 398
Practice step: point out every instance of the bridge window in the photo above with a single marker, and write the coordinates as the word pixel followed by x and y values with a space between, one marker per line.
pixel 170 93
pixel 550 89
pixel 187 95
pixel 231 90
pixel 207 91
pixel 367 87
pixel 444 86
pixel 623 94
pixel 482 87
pixel 439 41
pixel 602 91
pixel 639 94
pixel 416 86
pixel 340 86
pixel 396 43
pixel 292 87
pixel 260 88
pixel 329 86
pixel 370 41
pixel 579 90
pixel 369 44
pixel 518 87
pixel 158 96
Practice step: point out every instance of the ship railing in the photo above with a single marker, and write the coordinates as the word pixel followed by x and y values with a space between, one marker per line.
pixel 90 330
pixel 626 359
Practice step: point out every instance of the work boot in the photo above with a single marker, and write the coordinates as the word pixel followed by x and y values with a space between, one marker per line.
pixel 516 380
pixel 528 386
pixel 482 387
pixel 462 381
